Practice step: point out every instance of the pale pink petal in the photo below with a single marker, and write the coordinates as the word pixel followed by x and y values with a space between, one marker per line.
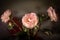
pixel 5 16
pixel 30 20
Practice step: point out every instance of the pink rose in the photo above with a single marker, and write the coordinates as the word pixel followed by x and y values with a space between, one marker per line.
pixel 30 20
pixel 5 16
pixel 52 14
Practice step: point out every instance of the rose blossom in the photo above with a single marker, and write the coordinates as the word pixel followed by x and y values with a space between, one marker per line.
pixel 52 14
pixel 5 16
pixel 30 20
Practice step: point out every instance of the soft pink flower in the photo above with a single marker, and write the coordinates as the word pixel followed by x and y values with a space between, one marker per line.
pixel 5 16
pixel 30 20
pixel 52 14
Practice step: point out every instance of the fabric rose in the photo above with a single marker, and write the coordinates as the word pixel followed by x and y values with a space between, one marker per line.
pixel 30 20
pixel 5 16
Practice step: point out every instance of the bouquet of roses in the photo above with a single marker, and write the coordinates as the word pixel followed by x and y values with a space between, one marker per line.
pixel 30 22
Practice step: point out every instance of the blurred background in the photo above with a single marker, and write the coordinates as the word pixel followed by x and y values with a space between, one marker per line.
pixel 23 6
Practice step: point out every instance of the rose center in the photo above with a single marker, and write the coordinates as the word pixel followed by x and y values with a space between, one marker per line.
pixel 29 20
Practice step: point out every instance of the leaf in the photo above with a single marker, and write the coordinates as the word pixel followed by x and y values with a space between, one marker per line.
pixel 10 26
pixel 41 19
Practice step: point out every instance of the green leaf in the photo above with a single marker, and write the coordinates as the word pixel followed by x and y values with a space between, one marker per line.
pixel 10 27
pixel 41 19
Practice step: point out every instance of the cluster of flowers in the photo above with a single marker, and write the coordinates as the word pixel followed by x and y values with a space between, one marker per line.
pixel 29 20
